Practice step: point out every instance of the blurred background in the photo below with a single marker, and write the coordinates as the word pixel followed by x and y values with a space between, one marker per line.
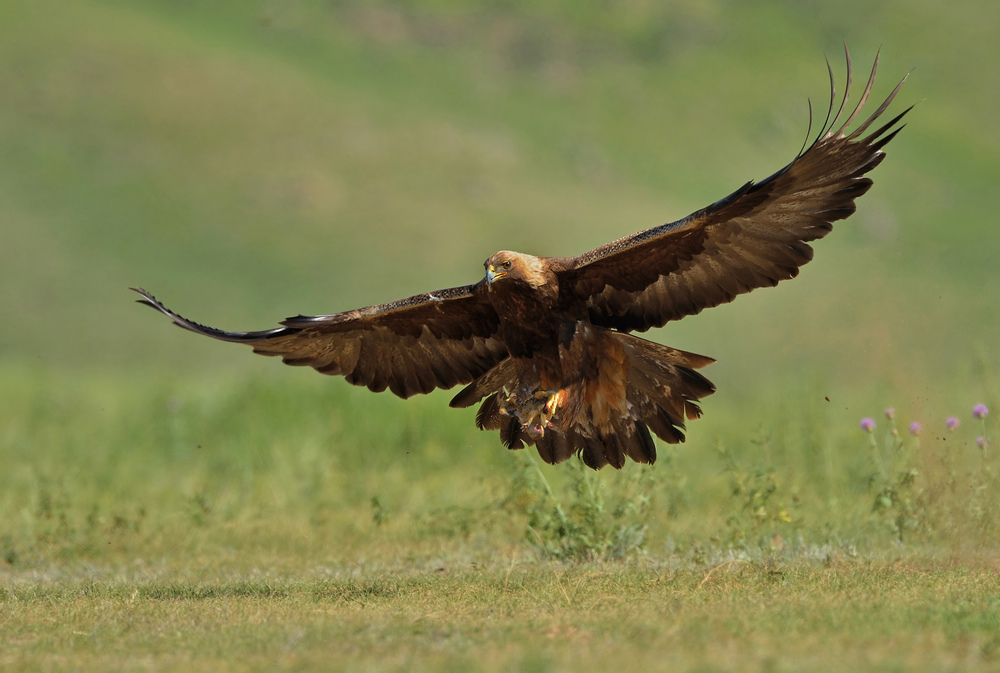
pixel 247 161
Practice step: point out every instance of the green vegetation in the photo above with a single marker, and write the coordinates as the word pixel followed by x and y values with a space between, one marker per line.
pixel 167 502
pixel 505 616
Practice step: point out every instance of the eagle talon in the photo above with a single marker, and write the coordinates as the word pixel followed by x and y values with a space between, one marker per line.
pixel 536 411
pixel 554 401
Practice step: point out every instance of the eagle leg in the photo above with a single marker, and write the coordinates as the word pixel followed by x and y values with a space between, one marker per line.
pixel 534 411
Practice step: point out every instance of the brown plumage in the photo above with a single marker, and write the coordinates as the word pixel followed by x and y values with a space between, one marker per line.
pixel 543 342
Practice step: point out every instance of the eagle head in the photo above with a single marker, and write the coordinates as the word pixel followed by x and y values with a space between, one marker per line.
pixel 516 266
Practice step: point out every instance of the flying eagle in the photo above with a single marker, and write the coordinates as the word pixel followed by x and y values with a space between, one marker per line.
pixel 545 342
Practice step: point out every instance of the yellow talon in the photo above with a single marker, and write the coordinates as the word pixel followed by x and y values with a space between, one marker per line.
pixel 536 411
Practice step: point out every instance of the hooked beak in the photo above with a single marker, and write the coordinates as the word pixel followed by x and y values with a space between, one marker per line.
pixel 492 275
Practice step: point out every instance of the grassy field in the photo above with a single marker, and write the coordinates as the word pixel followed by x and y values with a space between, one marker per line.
pixel 171 503
pixel 507 617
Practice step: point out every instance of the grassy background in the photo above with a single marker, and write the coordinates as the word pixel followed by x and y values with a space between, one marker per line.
pixel 166 500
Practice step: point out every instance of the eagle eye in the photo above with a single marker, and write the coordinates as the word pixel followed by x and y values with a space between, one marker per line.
pixel 506 264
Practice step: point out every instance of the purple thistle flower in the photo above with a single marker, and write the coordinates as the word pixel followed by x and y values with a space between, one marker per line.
pixel 951 423
pixel 890 413
pixel 980 442
pixel 980 411
pixel 867 424
pixel 915 428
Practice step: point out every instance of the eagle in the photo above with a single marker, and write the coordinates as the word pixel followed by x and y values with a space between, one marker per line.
pixel 546 345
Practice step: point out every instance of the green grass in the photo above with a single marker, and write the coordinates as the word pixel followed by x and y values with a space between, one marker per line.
pixel 245 525
pixel 167 502
pixel 505 616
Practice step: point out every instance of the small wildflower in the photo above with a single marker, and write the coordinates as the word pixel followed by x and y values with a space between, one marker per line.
pixel 915 428
pixel 980 411
pixel 890 413
pixel 981 442
pixel 867 424
pixel 951 423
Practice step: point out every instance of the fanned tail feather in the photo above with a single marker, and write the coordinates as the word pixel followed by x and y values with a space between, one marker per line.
pixel 662 393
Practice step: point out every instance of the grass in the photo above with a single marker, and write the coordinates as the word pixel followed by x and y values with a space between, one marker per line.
pixel 246 525
pixel 153 462
pixel 171 503
pixel 506 616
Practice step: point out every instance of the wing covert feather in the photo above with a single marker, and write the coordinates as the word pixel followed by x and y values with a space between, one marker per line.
pixel 413 345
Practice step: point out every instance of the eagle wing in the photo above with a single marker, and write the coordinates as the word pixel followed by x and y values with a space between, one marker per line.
pixel 755 237
pixel 412 345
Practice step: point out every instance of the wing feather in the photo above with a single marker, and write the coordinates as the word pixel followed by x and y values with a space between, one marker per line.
pixel 413 345
pixel 756 237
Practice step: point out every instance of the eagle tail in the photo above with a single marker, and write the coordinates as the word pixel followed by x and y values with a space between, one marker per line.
pixel 662 392
pixel 663 386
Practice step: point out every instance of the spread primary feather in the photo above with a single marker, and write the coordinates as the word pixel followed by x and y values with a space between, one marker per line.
pixel 544 343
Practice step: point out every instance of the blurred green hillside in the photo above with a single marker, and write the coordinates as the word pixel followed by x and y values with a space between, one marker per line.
pixel 251 160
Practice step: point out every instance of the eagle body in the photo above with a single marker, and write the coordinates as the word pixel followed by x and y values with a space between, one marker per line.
pixel 526 300
pixel 545 345
pixel 576 386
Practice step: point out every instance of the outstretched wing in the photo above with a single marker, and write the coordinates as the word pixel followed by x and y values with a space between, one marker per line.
pixel 413 345
pixel 753 238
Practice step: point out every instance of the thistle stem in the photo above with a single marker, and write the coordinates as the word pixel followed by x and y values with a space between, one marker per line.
pixel 877 456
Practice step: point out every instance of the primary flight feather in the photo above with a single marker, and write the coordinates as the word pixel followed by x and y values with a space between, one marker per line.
pixel 544 343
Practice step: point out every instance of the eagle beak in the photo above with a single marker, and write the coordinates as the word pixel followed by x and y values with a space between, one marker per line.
pixel 492 275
